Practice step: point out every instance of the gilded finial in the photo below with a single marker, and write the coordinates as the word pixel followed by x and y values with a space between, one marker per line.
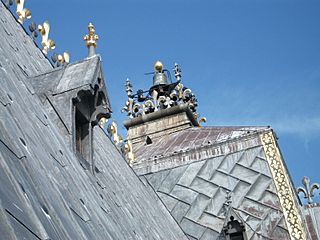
pixel 124 145
pixel 60 59
pixel 158 66
pixel 113 131
pixel 102 122
pixel 64 59
pixel 46 43
pixel 22 12
pixel 127 149
pixel 91 39
pixel 202 120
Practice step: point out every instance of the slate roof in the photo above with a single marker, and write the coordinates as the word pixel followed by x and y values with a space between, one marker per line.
pixel 67 78
pixel 61 85
pixel 44 191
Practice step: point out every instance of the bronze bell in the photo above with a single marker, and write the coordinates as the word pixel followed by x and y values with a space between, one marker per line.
pixel 159 77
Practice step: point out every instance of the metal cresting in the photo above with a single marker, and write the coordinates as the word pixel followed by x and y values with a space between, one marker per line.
pixel 308 189
pixel 284 189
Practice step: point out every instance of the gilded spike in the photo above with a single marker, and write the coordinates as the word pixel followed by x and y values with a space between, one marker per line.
pixel 91 39
pixel 22 12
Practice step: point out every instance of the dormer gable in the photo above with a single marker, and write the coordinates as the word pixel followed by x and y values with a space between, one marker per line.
pixel 76 97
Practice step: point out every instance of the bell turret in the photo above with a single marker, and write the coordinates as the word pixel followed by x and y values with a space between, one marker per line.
pixel 159 77
pixel 164 96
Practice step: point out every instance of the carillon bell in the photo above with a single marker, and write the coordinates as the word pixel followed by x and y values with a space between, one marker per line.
pixel 159 78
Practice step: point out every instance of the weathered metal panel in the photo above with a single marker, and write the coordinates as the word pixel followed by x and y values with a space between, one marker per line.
pixel 190 145
pixel 311 214
pixel 202 191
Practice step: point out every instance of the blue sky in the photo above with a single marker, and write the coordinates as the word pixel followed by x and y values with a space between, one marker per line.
pixel 250 62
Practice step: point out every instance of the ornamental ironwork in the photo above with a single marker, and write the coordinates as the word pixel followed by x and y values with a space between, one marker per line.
pixel 162 95
pixel 308 189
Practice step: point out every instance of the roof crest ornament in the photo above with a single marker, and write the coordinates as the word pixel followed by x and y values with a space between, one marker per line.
pixel 23 13
pixel 46 43
pixel 60 59
pixel 113 131
pixel 33 30
pixel 91 40
pixel 125 145
pixel 177 72
pixel 127 149
pixel 308 189
pixel 162 95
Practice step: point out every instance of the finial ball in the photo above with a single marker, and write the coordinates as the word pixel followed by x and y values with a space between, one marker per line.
pixel 158 66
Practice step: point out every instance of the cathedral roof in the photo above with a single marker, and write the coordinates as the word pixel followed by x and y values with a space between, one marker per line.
pixel 194 169
pixel 45 192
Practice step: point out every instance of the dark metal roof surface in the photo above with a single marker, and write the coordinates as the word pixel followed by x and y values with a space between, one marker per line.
pixel 195 194
pixel 44 191
pixel 192 138
pixel 178 144
pixel 68 77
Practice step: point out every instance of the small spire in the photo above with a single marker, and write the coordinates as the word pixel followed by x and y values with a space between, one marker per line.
pixel 91 40
pixel 177 72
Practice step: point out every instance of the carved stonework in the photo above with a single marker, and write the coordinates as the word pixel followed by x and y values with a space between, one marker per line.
pixel 282 183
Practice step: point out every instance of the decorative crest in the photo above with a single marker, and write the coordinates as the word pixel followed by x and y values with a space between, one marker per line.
pixel 23 13
pixel 113 131
pixel 46 43
pixel 308 190
pixel 129 103
pixel 127 149
pixel 91 40
pixel 60 60
pixel 124 145
pixel 161 95
pixel 33 30
pixel 177 72
pixel 102 122
pixel 64 59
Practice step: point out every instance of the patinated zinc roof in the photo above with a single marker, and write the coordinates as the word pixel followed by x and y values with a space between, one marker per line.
pixel 191 138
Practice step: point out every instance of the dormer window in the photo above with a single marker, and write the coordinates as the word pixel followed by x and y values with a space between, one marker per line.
pixel 234 230
pixel 82 134
pixel 89 106
pixel 83 107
